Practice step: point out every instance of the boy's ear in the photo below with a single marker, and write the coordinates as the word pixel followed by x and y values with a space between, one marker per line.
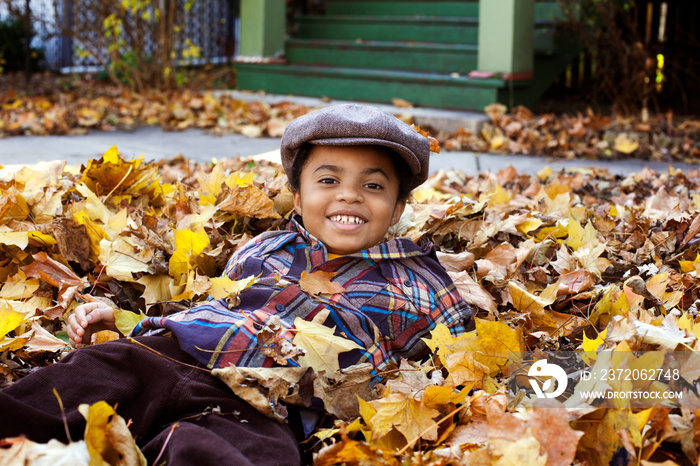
pixel 297 201
pixel 398 211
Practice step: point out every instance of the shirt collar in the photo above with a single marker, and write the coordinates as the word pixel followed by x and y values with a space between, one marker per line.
pixel 397 248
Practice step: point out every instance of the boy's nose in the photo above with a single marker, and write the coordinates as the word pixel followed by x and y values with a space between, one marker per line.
pixel 349 194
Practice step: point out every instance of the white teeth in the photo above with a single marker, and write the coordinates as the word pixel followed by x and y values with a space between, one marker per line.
pixel 348 219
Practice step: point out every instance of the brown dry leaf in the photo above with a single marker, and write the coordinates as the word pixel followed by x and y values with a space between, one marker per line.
pixel 473 293
pixel 340 390
pixel 464 370
pixel 456 262
pixel 401 103
pixel 14 451
pixel 575 282
pixel 263 387
pixel 495 267
pixel 412 379
pixel 73 241
pixel 276 345
pixel 246 201
pixel 42 340
pixel 550 426
pixel 56 274
pixel 319 283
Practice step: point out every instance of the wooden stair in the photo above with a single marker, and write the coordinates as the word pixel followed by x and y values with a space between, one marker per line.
pixel 418 51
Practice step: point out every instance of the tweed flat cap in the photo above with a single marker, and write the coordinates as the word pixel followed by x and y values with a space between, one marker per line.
pixel 356 125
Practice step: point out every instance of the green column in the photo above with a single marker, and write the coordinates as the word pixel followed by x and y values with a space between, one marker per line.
pixel 262 27
pixel 506 36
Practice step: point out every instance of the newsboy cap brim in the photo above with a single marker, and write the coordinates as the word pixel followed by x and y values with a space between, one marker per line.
pixel 357 125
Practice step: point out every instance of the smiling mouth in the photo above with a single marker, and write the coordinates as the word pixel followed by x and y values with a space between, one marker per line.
pixel 347 219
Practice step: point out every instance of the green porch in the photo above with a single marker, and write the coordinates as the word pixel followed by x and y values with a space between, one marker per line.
pixel 457 54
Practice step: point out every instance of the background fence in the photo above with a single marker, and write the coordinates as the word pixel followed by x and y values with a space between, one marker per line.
pixel 210 24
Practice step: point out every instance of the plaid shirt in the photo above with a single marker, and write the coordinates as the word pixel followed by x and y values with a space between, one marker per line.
pixel 396 292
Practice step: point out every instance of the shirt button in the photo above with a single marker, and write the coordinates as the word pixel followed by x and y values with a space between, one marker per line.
pixel 316 246
pixel 407 282
pixel 280 307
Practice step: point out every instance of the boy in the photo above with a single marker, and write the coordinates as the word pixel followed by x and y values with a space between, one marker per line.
pixel 350 169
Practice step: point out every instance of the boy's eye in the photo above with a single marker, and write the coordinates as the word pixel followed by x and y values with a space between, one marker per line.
pixel 373 186
pixel 327 181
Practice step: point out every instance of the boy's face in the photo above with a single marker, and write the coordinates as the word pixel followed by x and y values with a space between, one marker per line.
pixel 348 196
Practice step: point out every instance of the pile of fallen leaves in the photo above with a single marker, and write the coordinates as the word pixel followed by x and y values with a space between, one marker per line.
pixel 85 104
pixel 582 135
pixel 562 261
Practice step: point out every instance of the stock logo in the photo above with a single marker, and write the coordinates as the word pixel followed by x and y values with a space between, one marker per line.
pixel 544 369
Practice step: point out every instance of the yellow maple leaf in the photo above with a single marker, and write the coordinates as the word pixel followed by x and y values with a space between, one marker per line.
pixel 440 337
pixel 223 287
pixel 578 235
pixel 95 232
pixel 403 412
pixel 210 183
pixel 590 347
pixel 94 208
pixel 496 345
pixel 127 320
pixel 437 396
pixel 9 320
pixel 321 345
pixel 528 225
pixel 187 244
pixel 157 288
pixel 690 266
pixel 108 438
pixel 524 301
pixel 657 287
pixel 240 179
pixel 499 196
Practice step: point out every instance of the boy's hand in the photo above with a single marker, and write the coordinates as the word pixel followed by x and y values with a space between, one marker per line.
pixel 87 319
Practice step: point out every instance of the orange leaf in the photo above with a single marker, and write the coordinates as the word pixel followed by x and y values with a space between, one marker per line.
pixel 319 283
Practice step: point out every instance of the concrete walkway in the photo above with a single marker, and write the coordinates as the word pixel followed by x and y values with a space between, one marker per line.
pixel 154 144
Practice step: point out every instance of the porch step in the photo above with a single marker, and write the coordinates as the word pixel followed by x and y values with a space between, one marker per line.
pixel 432 29
pixel 425 89
pixel 413 56
pixel 544 10
pixel 439 29
pixel 403 7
